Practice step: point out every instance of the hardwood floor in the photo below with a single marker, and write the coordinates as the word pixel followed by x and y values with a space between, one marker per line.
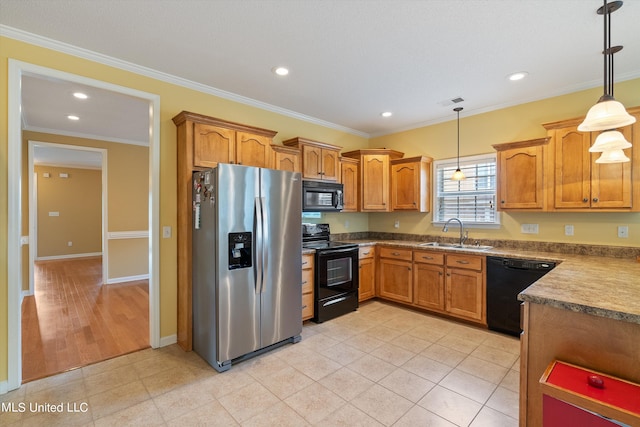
pixel 74 320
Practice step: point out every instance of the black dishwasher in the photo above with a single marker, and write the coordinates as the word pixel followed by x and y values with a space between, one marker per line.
pixel 506 278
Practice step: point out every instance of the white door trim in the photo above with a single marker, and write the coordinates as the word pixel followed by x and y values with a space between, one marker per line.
pixel 14 260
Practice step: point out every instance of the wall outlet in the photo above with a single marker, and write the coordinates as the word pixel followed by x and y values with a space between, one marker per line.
pixel 166 232
pixel 346 223
pixel 623 231
pixel 69 243
pixel 396 224
pixel 54 213
pixel 568 230
pixel 529 228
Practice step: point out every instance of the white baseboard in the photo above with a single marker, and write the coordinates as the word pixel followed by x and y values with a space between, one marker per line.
pixel 171 339
pixel 123 279
pixel 70 256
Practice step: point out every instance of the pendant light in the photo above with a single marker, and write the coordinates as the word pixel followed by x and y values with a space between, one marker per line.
pixel 608 113
pixel 458 175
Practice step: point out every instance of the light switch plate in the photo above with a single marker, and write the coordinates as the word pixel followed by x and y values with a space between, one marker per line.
pixel 166 232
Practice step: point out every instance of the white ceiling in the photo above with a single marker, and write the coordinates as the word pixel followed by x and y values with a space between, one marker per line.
pixel 349 59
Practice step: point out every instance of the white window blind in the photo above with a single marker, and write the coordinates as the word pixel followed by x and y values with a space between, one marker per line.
pixel 472 200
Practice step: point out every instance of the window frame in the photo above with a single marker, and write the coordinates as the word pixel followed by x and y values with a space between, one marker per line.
pixel 464 161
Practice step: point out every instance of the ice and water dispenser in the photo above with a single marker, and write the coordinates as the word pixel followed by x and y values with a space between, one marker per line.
pixel 240 254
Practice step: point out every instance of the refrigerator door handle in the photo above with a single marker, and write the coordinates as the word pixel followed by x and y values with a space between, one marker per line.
pixel 259 245
pixel 265 243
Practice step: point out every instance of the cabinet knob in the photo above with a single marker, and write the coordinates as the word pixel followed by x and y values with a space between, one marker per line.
pixel 585 200
pixel 595 199
pixel 501 201
pixel 409 268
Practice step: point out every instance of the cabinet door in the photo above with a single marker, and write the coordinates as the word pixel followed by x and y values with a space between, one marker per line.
pixel 375 183
pixel 253 150
pixel 286 161
pixel 521 178
pixel 311 162
pixel 572 168
pixel 428 283
pixel 395 280
pixel 330 165
pixel 465 294
pixel 349 179
pixel 611 182
pixel 405 186
pixel 212 145
pixel 367 279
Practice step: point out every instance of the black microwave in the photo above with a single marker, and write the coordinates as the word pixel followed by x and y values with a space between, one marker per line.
pixel 318 196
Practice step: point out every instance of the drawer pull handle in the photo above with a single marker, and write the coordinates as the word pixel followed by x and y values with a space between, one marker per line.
pixel 395 253
pixel 461 261
pixel 427 257
pixel 305 263
pixel 304 306
pixel 366 253
pixel 305 282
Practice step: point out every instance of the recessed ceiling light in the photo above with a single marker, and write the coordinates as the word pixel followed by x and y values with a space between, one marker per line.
pixel 72 117
pixel 80 95
pixel 281 71
pixel 386 114
pixel 518 76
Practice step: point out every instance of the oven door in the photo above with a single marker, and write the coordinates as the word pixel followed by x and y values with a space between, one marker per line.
pixel 336 272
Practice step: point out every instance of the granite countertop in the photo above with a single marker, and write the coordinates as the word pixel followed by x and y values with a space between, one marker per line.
pixel 597 285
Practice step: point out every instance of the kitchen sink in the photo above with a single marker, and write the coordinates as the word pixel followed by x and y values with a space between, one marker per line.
pixel 456 246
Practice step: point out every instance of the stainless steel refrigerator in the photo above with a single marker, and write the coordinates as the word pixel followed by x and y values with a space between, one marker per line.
pixel 247 258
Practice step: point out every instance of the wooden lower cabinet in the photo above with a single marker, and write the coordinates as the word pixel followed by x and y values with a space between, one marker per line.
pixel 307 286
pixel 428 280
pixel 395 274
pixel 444 282
pixel 367 273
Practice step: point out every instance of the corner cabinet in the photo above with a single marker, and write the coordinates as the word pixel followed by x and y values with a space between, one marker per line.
pixel 203 142
pixel 521 174
pixel 410 180
pixel 374 177
pixel 320 161
pixel 581 184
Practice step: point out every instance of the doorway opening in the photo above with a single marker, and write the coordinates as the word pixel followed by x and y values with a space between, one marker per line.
pixel 18 286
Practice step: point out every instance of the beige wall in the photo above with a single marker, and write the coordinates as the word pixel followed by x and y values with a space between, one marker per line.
pixel 77 200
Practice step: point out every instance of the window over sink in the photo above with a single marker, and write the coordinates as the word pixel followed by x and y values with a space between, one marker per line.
pixel 472 200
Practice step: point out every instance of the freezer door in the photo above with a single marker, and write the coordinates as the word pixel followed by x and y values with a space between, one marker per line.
pixel 238 299
pixel 281 289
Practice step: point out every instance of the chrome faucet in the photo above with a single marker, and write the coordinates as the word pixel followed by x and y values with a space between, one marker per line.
pixel 463 235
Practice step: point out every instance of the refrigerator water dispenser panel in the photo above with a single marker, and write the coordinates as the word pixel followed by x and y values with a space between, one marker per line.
pixel 240 254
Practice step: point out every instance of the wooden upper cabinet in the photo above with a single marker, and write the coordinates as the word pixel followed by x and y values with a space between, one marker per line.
pixel 349 180
pixel 410 184
pixel 212 145
pixel 286 158
pixel 253 150
pixel 582 184
pixel 521 174
pixel 320 161
pixel 374 177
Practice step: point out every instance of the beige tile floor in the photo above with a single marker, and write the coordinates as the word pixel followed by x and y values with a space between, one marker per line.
pixel 381 365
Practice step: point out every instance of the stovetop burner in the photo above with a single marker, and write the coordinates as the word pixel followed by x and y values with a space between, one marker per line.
pixel 317 236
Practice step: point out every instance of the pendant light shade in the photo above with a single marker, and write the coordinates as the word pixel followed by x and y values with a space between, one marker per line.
pixel 458 175
pixel 609 140
pixel 607 113
pixel 612 156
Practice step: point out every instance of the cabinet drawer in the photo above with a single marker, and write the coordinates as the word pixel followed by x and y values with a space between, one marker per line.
pixel 307 261
pixel 307 306
pixel 366 252
pixel 395 253
pixel 470 262
pixel 427 257
pixel 307 281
